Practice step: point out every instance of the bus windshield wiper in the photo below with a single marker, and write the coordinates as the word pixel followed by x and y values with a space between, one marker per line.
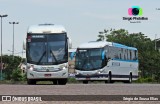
pixel 54 56
pixel 41 57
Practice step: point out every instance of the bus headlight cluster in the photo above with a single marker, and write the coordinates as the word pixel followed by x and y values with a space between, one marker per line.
pixel 62 67
pixel 100 71
pixel 32 68
pixel 76 72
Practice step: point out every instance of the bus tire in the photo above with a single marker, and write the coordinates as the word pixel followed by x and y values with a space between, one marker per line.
pixel 55 82
pixel 62 81
pixel 110 78
pixel 31 82
pixel 130 78
pixel 85 82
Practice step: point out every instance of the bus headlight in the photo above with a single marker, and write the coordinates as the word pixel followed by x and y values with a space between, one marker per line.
pixel 100 71
pixel 76 73
pixel 62 67
pixel 32 68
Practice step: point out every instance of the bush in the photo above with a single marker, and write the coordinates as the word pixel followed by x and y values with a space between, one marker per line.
pixel 144 80
pixel 72 80
pixel 24 77
pixel 16 75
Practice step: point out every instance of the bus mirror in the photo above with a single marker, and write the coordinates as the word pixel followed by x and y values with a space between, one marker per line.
pixel 72 55
pixel 24 45
pixel 69 43
pixel 103 55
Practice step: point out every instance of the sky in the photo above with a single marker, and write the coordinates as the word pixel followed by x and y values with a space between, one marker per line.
pixel 83 19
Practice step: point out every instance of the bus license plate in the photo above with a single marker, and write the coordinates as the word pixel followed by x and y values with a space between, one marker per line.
pixel 47 75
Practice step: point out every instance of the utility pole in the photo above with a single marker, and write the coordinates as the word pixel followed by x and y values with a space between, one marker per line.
pixel 13 37
pixel 1 44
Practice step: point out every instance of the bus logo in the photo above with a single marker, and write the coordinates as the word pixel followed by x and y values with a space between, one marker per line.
pixel 47 70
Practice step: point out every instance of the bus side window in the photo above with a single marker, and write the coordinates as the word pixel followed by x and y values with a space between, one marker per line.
pixel 107 52
pixel 122 54
pixel 119 53
pixel 116 53
pixel 135 55
pixel 130 54
pixel 111 52
pixel 127 54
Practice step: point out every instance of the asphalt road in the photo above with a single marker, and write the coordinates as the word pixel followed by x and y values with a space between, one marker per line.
pixel 82 89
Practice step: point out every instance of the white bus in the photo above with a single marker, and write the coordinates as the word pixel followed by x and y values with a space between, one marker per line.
pixel 47 53
pixel 106 61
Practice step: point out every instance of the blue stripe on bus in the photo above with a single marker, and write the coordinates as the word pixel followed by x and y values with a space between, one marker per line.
pixel 103 55
pixel 123 46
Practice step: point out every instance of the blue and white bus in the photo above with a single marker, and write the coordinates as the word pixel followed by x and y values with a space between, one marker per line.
pixel 47 53
pixel 106 61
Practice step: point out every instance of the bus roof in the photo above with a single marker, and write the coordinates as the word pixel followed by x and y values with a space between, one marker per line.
pixel 72 50
pixel 46 28
pixel 101 44
pixel 94 44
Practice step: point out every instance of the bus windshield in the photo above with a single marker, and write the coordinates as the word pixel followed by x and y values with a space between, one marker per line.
pixel 47 49
pixel 88 59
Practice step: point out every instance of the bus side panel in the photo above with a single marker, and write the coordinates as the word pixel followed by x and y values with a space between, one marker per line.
pixel 121 70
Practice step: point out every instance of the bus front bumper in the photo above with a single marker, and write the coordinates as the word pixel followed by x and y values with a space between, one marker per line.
pixel 47 75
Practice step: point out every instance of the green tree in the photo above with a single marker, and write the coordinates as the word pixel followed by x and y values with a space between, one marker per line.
pixel 16 75
pixel 10 65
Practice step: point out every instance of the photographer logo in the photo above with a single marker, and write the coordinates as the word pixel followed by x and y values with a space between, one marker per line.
pixel 135 15
pixel 135 11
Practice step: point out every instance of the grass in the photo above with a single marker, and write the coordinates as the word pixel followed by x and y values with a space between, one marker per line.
pixel 12 82
pixel 70 80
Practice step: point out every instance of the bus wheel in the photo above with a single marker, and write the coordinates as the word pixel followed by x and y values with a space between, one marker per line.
pixel 62 81
pixel 85 82
pixel 110 78
pixel 31 82
pixel 55 82
pixel 130 78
